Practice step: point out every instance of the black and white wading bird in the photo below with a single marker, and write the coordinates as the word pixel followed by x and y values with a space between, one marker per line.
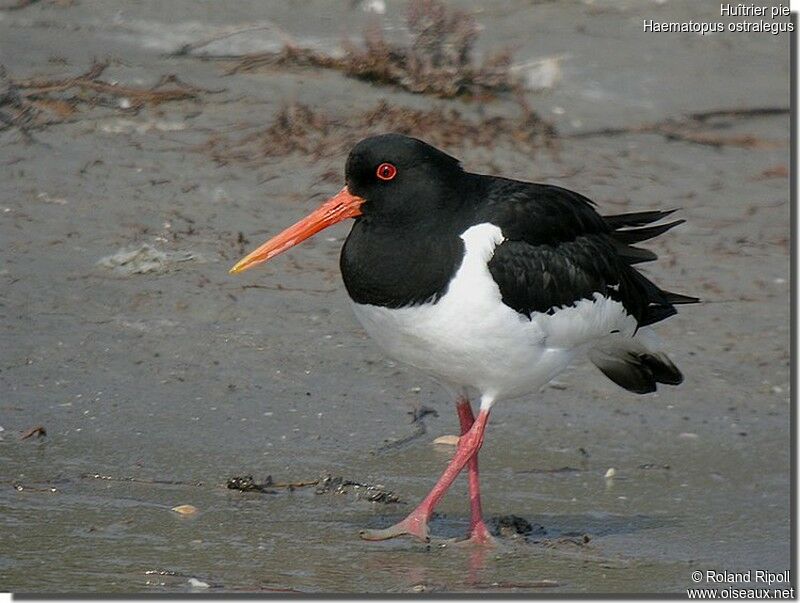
pixel 490 285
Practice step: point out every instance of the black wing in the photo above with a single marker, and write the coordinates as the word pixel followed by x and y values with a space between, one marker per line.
pixel 559 250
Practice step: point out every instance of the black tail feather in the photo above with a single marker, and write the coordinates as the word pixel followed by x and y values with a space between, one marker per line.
pixel 659 303
pixel 677 298
pixel 637 218
pixel 635 255
pixel 636 370
pixel 637 235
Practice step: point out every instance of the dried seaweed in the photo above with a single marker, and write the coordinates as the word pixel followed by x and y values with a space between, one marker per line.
pixel 512 526
pixel 370 492
pixel 246 483
pixel 36 103
pixel 296 128
pixel 325 484
pixel 438 59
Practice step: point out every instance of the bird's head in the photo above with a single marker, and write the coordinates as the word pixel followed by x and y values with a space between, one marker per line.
pixel 400 178
pixel 389 178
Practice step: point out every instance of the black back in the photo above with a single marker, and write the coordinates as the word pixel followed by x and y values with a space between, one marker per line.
pixel 406 248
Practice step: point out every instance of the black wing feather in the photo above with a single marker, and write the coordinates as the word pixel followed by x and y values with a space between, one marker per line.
pixel 559 250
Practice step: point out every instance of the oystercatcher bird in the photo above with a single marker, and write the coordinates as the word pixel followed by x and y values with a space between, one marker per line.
pixel 488 284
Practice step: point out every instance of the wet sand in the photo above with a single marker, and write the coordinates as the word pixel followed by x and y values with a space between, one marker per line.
pixel 186 375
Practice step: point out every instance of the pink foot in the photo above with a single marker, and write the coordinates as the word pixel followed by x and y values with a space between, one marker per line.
pixel 416 525
pixel 479 534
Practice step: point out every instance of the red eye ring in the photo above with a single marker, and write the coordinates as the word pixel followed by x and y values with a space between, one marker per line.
pixel 386 171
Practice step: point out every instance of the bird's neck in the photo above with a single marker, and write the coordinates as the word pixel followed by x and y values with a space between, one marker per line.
pixel 384 264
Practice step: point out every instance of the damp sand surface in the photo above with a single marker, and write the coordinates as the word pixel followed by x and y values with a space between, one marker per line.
pixel 158 377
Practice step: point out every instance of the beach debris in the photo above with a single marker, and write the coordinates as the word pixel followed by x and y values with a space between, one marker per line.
pixel 246 483
pixel 438 59
pixel 447 440
pixel 297 128
pixel 20 487
pixel 35 103
pixel 545 583
pixel 513 526
pixel 780 170
pixel 185 510
pixel 141 480
pixel 325 484
pixel 373 6
pixel 418 428
pixel 195 583
pixel 653 466
pixel 39 432
pixel 376 493
pixel 567 539
pixel 541 74
pixel 700 128
pixel 564 469
pixel 46 198
pixel 611 473
pixel 144 260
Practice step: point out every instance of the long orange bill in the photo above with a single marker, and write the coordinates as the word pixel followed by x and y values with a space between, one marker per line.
pixel 341 206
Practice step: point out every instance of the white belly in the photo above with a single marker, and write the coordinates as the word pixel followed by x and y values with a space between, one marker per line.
pixel 469 338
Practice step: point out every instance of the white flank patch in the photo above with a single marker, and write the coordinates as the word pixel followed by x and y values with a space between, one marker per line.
pixel 470 338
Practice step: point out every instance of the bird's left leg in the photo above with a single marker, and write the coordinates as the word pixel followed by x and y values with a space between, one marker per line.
pixel 416 524
pixel 478 532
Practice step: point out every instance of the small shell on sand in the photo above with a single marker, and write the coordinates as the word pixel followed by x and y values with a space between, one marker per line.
pixel 185 509
pixel 447 440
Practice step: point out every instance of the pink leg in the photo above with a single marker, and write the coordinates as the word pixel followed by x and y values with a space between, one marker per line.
pixel 416 524
pixel 478 532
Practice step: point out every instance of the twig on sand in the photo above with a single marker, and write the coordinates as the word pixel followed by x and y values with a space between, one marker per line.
pixel 685 128
pixel 39 431
pixel 228 32
pixel 419 428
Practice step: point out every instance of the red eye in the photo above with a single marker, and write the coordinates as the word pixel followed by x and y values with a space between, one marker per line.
pixel 386 171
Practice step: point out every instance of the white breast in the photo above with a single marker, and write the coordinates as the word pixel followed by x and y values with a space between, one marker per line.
pixel 469 338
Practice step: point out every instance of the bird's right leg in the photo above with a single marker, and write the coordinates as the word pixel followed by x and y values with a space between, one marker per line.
pixel 478 532
pixel 416 524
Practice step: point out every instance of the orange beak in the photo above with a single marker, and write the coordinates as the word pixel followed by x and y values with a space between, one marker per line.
pixel 341 206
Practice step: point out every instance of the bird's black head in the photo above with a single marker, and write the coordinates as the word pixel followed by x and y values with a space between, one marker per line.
pixel 391 180
pixel 401 178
